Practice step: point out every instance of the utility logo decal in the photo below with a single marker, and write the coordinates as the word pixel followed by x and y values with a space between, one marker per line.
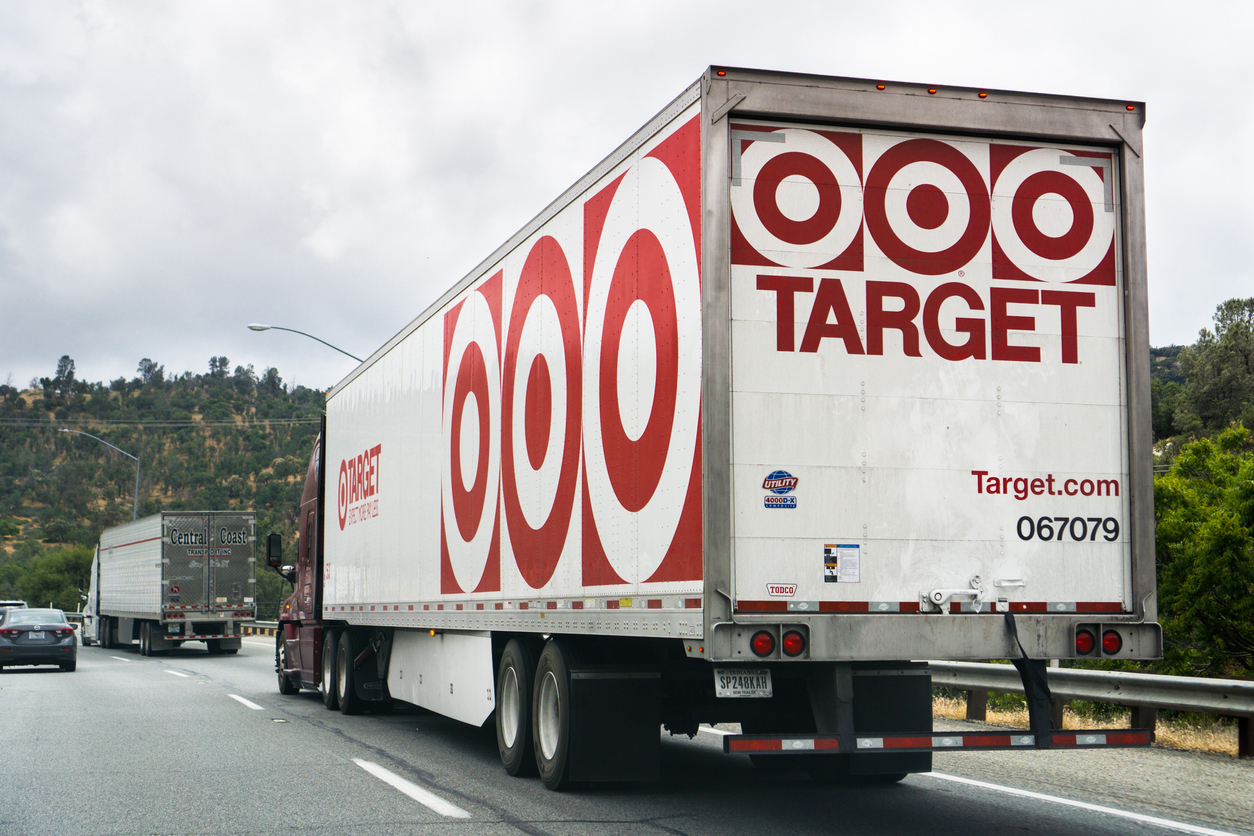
pixel 781 590
pixel 779 483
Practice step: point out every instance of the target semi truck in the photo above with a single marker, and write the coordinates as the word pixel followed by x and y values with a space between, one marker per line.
pixel 171 578
pixel 810 381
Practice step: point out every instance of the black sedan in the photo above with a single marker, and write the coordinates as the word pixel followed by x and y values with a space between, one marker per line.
pixel 37 637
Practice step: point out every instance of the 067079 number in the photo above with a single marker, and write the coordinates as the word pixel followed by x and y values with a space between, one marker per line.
pixel 1078 528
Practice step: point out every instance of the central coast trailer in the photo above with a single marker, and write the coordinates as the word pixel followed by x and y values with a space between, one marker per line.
pixel 810 380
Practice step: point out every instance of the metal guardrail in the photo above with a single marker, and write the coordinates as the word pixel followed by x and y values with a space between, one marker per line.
pixel 1226 697
pixel 263 628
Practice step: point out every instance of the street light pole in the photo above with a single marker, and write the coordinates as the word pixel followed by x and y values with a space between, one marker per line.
pixel 257 326
pixel 135 509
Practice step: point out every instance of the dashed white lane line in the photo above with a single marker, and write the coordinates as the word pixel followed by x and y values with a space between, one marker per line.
pixel 120 658
pixel 710 730
pixel 1096 808
pixel 417 793
pixel 177 673
pixel 248 703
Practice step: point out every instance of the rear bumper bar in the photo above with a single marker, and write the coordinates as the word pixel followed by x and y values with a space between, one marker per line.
pixel 763 744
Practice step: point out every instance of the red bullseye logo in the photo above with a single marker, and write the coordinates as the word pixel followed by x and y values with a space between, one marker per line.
pixel 797 199
pixel 541 401
pixel 1053 215
pixel 341 494
pixel 470 478
pixel 642 372
pixel 927 206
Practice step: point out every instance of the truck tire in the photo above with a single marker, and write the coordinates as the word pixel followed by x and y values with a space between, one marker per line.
pixel 346 676
pixel 105 639
pixel 145 631
pixel 513 708
pixel 82 636
pixel 550 715
pixel 329 643
pixel 214 646
pixel 286 686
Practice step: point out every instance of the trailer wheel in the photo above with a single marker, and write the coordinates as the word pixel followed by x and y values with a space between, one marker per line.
pixel 214 646
pixel 513 708
pixel 286 686
pixel 104 634
pixel 82 636
pixel 550 715
pixel 330 641
pixel 145 630
pixel 346 676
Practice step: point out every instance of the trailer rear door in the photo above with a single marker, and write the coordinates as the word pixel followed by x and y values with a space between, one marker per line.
pixel 231 563
pixel 185 558
pixel 928 373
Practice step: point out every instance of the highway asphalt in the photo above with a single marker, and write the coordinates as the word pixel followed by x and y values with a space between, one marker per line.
pixel 187 743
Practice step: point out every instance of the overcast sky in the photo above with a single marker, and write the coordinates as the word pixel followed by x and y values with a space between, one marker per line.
pixel 170 172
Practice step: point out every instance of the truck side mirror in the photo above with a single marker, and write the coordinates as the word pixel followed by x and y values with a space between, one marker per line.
pixel 274 550
pixel 288 573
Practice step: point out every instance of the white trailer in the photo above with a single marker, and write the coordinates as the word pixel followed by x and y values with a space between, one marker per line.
pixel 174 577
pixel 810 378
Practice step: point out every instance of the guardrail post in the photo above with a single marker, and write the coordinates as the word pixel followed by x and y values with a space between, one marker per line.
pixel 1056 709
pixel 1144 717
pixel 1245 737
pixel 977 705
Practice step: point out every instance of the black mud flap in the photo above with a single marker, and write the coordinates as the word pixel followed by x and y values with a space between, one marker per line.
pixel 614 719
pixel 1035 689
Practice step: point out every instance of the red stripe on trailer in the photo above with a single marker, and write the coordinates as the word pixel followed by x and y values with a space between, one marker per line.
pixel 500 605
pixel 844 606
pixel 743 745
pixel 1133 738
pixel 908 606
pixel 978 740
pixel 655 603
pixel 908 742
pixel 611 604
pixel 1029 606
pixel 459 606
pixel 576 605
pixel 411 607
pixel 1098 606
pixel 439 607
pixel 524 606
pixel 762 606
pixel 426 607
pixel 478 606
pixel 692 603
pixel 136 543
pixel 552 605
pixel 826 743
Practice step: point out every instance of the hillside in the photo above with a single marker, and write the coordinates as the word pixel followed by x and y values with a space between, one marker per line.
pixel 219 440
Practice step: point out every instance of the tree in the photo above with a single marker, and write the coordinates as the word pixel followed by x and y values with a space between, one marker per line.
pixel 218 366
pixel 150 373
pixel 56 576
pixel 1205 550
pixel 1220 367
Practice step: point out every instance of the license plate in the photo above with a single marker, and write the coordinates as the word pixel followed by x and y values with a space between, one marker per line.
pixel 173 628
pixel 36 635
pixel 742 682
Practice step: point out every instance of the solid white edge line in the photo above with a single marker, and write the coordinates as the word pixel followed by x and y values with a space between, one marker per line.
pixel 120 658
pixel 176 673
pixel 243 701
pixel 417 793
pixel 1082 805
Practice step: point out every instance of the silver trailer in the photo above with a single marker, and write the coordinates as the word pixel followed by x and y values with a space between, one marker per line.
pixel 174 577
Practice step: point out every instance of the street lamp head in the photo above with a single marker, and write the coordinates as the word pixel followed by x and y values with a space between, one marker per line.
pixel 257 326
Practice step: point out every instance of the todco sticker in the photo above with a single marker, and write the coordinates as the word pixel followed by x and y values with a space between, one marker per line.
pixel 781 590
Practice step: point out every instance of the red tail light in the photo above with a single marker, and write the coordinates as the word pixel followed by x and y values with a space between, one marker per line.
pixel 1084 642
pixel 9 632
pixel 794 643
pixel 762 643
pixel 1112 642
pixel 64 632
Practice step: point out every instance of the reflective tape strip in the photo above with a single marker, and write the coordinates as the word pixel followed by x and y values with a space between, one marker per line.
pixel 733 743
